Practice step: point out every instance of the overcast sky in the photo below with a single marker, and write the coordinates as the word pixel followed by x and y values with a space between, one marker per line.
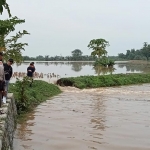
pixel 59 26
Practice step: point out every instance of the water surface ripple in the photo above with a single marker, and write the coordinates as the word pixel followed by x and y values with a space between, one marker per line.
pixel 95 119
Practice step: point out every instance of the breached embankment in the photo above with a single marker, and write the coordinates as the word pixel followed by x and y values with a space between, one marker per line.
pixel 104 80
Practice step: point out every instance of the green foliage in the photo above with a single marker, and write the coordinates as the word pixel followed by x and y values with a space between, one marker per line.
pixel 104 61
pixel 146 50
pixel 28 97
pixel 59 58
pixel 77 53
pixel 111 63
pixel 140 54
pixel 11 47
pixel 8 25
pixel 3 4
pixel 14 48
pixel 98 46
pixel 105 80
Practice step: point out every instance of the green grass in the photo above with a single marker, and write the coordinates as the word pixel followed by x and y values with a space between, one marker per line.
pixel 39 92
pixel 104 80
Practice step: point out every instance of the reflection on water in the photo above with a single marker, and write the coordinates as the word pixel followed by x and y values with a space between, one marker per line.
pixel 76 67
pixel 79 66
pixel 104 70
pixel 145 68
pixel 72 69
pixel 96 119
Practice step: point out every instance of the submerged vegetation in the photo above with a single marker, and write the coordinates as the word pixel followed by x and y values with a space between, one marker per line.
pixel 105 62
pixel 27 97
pixel 104 80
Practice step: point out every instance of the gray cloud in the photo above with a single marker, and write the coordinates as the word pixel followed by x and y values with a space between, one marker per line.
pixel 60 26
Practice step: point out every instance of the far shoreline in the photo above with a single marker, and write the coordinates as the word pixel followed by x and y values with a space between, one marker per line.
pixel 116 62
pixel 72 61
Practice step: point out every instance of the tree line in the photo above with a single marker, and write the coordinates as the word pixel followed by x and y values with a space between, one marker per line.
pixel 76 55
pixel 139 54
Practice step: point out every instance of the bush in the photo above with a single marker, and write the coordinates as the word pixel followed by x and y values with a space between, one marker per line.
pixel 104 61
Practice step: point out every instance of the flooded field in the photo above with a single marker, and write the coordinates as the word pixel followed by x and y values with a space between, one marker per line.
pixel 51 71
pixel 96 119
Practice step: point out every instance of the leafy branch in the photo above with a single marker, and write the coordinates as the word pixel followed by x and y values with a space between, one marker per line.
pixel 3 4
pixel 14 48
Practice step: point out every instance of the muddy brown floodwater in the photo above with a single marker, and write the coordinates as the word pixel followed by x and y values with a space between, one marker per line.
pixel 95 119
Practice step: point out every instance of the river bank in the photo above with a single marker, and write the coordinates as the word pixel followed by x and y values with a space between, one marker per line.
pixel 32 96
pixel 104 80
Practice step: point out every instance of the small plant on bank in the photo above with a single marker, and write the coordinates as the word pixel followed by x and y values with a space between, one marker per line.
pixel 21 87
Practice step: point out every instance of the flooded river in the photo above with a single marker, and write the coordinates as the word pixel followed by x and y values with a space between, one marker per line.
pixel 96 119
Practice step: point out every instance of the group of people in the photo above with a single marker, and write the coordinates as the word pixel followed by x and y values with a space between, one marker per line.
pixel 6 73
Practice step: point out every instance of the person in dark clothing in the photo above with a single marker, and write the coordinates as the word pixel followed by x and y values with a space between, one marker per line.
pixel 30 71
pixel 8 73
pixel 33 66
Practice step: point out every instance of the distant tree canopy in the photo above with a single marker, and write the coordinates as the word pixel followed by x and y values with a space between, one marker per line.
pixel 77 53
pixel 140 54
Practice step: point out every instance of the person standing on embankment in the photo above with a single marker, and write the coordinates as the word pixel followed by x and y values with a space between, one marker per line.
pixel 8 73
pixel 2 80
pixel 2 83
pixel 30 71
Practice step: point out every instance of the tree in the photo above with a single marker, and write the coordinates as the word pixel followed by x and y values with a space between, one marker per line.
pixel 7 26
pixel 98 46
pixel 46 58
pixel 77 53
pixel 121 55
pixel 146 50
pixel 3 4
pixel 127 53
pixel 11 47
pixel 131 56
pixel 40 58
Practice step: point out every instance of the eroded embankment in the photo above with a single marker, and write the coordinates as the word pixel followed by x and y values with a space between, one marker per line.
pixel 104 80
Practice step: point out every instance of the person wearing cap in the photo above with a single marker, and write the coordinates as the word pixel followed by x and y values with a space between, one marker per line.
pixel 8 73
